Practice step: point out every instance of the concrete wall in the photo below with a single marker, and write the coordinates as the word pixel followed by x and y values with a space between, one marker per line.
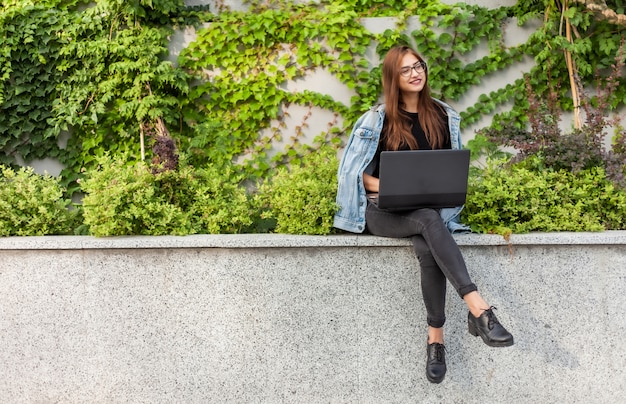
pixel 304 319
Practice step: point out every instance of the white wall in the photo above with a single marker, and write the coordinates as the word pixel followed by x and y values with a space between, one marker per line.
pixel 324 82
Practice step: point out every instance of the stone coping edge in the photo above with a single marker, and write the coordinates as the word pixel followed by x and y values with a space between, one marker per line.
pixel 615 237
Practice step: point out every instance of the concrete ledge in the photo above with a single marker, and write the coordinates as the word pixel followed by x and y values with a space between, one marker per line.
pixel 304 319
pixel 285 241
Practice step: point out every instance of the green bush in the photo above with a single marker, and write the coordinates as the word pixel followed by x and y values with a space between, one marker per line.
pixel 525 197
pixel 581 148
pixel 557 180
pixel 219 203
pixel 301 198
pixel 33 204
pixel 128 199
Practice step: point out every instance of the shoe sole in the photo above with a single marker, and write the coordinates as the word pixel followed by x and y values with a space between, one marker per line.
pixel 435 381
pixel 498 344
pixel 475 333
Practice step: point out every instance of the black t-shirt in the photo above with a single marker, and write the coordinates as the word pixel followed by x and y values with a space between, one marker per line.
pixel 418 134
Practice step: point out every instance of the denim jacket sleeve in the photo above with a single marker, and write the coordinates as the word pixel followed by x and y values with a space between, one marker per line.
pixel 358 153
pixel 451 216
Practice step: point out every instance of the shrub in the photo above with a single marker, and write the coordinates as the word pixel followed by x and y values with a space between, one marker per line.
pixel 122 199
pixel 527 196
pixel 219 204
pixel 301 198
pixel 33 204
pixel 128 199
pixel 583 147
pixel 556 181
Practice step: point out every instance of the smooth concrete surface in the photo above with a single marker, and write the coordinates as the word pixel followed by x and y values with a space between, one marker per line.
pixel 304 319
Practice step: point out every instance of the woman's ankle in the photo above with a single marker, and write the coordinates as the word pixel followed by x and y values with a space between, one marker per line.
pixel 435 335
pixel 475 303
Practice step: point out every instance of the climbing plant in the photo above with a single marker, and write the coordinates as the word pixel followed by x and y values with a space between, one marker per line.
pixel 97 72
pixel 571 45
pixel 29 59
pixel 92 72
pixel 245 59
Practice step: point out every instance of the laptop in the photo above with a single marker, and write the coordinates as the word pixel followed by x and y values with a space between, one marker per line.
pixel 413 179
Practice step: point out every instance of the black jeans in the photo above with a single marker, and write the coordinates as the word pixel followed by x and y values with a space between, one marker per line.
pixel 438 254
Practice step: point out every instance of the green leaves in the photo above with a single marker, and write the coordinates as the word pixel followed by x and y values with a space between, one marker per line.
pixel 127 199
pixel 100 72
pixel 28 77
pixel 246 89
pixel 63 68
pixel 301 199
pixel 521 198
pixel 33 204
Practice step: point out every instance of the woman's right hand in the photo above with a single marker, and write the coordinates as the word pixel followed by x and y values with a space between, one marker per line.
pixel 370 183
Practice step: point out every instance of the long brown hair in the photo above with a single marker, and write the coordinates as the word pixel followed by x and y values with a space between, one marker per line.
pixel 398 132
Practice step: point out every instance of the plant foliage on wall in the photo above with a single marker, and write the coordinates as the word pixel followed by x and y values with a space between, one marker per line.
pixel 98 70
pixel 95 70
pixel 84 79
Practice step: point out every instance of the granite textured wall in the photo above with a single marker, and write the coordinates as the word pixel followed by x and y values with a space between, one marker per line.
pixel 304 319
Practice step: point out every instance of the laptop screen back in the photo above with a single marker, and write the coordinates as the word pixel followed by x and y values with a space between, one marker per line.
pixel 411 179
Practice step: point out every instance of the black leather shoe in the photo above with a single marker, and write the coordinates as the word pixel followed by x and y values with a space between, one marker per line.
pixel 436 362
pixel 489 329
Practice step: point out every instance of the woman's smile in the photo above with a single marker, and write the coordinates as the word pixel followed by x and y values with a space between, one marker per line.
pixel 414 82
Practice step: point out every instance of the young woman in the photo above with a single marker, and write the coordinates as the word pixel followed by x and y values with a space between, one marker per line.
pixel 411 119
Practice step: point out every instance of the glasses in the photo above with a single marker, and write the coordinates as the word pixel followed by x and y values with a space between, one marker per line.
pixel 419 67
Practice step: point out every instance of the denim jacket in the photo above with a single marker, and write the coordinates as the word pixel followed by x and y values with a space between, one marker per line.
pixel 357 155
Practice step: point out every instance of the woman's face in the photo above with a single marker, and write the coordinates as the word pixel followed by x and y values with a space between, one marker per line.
pixel 412 76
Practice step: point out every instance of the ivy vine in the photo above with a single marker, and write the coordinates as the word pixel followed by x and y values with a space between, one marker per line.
pixel 29 58
pixel 97 72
